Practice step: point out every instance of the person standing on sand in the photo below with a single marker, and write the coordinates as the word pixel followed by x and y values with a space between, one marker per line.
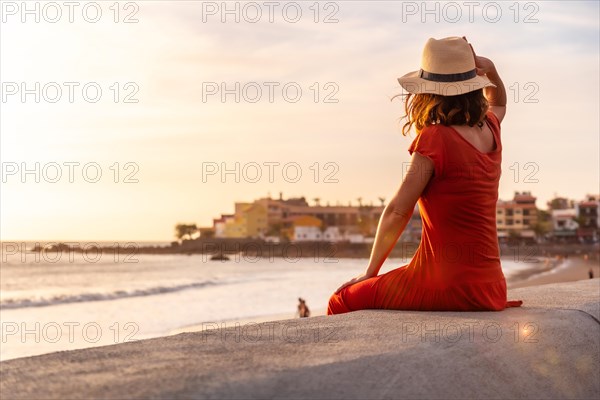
pixel 456 102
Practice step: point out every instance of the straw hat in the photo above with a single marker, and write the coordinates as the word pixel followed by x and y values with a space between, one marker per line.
pixel 447 68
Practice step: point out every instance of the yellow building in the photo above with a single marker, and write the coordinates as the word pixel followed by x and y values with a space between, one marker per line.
pixel 235 228
pixel 346 218
pixel 307 220
pixel 256 220
pixel 518 215
pixel 249 221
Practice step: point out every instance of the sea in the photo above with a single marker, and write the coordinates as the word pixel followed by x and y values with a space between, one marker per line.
pixel 64 301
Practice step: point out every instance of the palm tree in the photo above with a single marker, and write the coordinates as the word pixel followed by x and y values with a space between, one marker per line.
pixel 317 201
pixel 382 200
pixel 359 201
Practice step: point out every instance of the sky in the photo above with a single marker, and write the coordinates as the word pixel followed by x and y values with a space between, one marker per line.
pixel 137 126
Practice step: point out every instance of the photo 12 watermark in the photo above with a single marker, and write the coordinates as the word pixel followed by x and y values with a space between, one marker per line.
pixel 253 12
pixel 67 332
pixel 471 331
pixel 270 91
pixel 69 92
pixel 253 251
pixel 522 93
pixel 456 12
pixel 522 172
pixel 69 172
pixel 55 12
pixel 69 252
pixel 284 332
pixel 269 171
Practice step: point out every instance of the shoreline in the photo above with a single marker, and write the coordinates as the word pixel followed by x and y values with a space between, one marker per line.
pixel 539 266
pixel 568 270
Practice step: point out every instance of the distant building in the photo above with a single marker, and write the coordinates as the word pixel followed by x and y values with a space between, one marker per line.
pixel 281 212
pixel 220 223
pixel 249 221
pixel 306 229
pixel 294 219
pixel 588 217
pixel 236 227
pixel 517 217
pixel 564 224
pixel 332 234
pixel 560 203
pixel 255 218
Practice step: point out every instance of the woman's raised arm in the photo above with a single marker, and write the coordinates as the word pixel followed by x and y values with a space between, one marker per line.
pixel 496 96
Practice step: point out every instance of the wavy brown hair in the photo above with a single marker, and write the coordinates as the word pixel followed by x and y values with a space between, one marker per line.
pixel 427 109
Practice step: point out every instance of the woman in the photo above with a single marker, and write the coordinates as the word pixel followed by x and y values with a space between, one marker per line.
pixel 456 102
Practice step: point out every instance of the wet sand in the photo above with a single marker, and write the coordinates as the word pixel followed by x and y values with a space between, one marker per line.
pixel 566 270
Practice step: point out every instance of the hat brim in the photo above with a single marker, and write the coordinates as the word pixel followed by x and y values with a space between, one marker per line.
pixel 413 83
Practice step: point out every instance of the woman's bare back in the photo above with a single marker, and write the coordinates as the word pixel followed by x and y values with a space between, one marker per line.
pixel 480 138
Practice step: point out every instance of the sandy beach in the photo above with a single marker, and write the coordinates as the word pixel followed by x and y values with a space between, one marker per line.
pixel 557 271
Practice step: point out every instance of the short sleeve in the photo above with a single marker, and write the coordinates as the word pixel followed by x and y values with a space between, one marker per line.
pixel 494 124
pixel 493 120
pixel 429 143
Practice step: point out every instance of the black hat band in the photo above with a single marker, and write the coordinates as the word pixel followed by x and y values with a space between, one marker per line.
pixel 463 76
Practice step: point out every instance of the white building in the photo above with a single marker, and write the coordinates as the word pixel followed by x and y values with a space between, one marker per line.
pixel 314 234
pixel 332 234
pixel 307 233
pixel 564 220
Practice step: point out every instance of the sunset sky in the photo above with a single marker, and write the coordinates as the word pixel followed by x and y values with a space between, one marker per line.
pixel 178 50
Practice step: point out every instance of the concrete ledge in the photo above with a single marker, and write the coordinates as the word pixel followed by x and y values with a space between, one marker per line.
pixel 547 349
pixel 580 295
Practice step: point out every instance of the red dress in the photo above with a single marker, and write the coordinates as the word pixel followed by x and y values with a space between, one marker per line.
pixel 457 264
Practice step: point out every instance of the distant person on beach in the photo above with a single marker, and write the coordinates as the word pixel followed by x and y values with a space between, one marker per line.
pixel 591 274
pixel 303 311
pixel 456 102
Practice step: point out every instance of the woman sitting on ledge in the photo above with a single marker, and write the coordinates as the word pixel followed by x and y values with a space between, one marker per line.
pixel 456 103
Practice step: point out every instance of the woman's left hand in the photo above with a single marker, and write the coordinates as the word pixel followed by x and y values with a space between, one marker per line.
pixel 356 279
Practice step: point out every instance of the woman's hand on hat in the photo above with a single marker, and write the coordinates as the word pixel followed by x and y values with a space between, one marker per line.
pixel 483 65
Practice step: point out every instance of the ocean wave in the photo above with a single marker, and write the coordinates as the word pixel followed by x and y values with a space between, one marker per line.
pixel 87 297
